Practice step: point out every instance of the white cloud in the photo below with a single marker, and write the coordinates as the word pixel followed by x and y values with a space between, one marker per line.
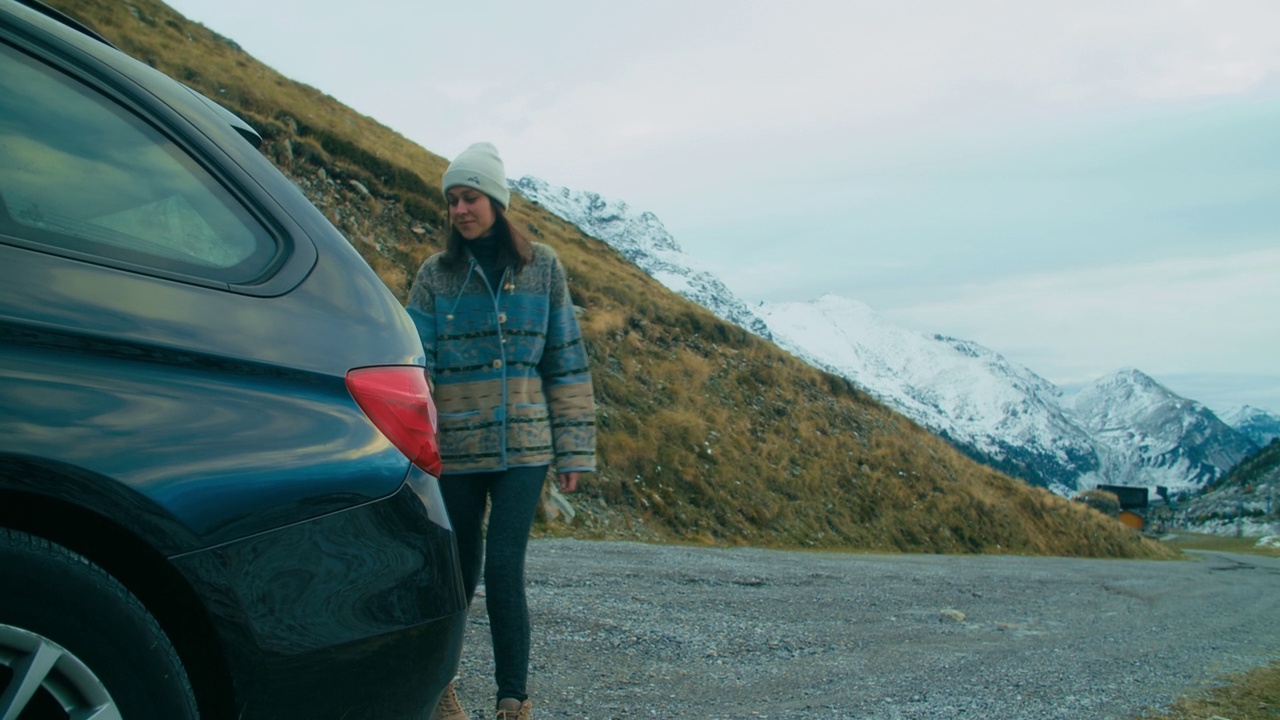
pixel 787 86
pixel 612 95
pixel 1171 316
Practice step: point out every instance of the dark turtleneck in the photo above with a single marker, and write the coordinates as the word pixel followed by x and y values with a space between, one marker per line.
pixel 486 250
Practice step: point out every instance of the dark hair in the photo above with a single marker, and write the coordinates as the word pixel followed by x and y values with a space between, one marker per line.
pixel 515 250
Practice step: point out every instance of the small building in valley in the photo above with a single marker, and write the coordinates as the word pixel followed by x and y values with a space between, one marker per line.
pixel 1133 504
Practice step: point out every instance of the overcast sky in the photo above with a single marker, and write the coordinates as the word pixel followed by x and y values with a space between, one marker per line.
pixel 1080 185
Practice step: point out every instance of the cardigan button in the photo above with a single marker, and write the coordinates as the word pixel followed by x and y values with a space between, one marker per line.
pixel 497 364
pixel 502 318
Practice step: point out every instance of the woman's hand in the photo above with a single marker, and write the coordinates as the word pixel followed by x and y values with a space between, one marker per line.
pixel 568 481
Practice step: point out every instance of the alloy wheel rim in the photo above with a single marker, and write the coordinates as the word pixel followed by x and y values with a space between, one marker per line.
pixel 42 670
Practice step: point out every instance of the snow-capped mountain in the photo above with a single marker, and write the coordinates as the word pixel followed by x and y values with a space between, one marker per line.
pixel 1258 425
pixel 1000 413
pixel 1125 429
pixel 1147 435
pixel 642 239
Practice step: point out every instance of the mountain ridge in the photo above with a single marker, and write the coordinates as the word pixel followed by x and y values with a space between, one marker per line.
pixel 659 254
pixel 1000 418
pixel 995 411
pixel 1254 423
pixel 1151 436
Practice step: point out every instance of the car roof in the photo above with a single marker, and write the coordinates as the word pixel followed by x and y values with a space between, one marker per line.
pixel 65 19
pixel 236 123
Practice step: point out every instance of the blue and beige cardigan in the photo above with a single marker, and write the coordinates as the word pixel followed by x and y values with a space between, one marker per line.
pixel 508 367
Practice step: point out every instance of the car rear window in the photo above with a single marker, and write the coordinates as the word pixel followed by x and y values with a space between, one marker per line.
pixel 80 173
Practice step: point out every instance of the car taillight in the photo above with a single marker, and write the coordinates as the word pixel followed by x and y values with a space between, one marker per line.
pixel 396 398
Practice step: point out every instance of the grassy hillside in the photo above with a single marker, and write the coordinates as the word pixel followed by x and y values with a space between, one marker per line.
pixel 1259 468
pixel 1244 501
pixel 708 434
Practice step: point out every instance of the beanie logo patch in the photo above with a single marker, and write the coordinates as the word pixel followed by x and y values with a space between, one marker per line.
pixel 474 179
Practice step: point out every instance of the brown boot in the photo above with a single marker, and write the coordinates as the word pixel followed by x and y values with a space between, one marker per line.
pixel 449 708
pixel 524 713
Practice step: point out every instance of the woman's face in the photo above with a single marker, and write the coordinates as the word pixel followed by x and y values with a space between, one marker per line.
pixel 470 211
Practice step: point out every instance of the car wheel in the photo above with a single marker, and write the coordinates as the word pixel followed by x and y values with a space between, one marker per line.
pixel 75 643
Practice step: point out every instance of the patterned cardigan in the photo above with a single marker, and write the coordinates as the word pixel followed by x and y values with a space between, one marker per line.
pixel 509 370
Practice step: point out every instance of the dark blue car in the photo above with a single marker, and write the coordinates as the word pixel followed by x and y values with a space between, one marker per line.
pixel 217 447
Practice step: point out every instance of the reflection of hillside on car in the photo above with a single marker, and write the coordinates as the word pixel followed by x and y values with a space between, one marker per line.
pixel 217 448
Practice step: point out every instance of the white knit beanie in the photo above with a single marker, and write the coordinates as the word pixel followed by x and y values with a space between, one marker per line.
pixel 479 167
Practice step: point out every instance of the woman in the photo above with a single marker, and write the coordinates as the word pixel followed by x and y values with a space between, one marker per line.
pixel 511 384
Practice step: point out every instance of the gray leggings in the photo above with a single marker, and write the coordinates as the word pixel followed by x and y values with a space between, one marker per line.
pixel 514 495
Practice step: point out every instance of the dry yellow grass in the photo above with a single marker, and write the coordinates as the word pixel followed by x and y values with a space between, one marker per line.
pixel 1245 545
pixel 1254 695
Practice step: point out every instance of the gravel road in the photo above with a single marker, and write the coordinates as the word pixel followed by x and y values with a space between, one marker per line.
pixel 629 630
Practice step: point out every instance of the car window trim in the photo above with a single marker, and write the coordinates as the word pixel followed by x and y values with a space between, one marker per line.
pixel 116 86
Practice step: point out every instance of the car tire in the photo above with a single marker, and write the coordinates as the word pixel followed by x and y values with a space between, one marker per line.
pixel 73 638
